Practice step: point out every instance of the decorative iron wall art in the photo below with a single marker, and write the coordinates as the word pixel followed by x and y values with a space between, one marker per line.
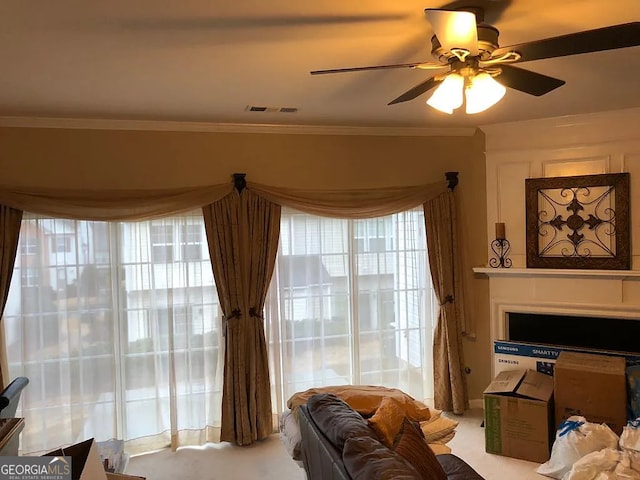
pixel 578 222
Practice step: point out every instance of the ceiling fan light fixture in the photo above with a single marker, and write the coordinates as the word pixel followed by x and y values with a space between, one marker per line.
pixel 448 96
pixel 454 30
pixel 482 93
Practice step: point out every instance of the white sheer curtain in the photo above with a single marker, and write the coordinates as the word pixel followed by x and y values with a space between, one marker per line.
pixel 116 325
pixel 351 302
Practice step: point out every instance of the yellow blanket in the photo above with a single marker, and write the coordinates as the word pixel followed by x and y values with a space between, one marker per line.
pixel 365 399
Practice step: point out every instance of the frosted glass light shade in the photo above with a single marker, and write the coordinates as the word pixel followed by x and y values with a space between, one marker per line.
pixel 448 96
pixel 483 92
pixel 454 29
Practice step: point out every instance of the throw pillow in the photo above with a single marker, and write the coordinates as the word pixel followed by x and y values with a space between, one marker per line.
pixel 365 399
pixel 337 420
pixel 439 449
pixel 387 420
pixel 365 458
pixel 438 428
pixel 442 440
pixel 410 444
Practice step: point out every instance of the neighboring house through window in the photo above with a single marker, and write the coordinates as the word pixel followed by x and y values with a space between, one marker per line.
pixel 351 302
pixel 162 243
pixel 117 323
pixel 61 243
pixel 192 241
pixel 119 339
pixel 29 246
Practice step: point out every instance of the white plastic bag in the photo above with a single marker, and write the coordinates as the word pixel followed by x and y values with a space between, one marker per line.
pixel 605 464
pixel 630 438
pixel 576 438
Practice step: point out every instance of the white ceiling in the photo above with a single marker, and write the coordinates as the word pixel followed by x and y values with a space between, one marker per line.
pixel 205 61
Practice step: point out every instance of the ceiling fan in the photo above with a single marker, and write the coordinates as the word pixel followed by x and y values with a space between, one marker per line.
pixel 478 69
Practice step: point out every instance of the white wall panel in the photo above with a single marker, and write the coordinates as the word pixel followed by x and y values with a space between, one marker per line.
pixel 510 195
pixel 569 168
pixel 564 132
pixel 587 290
pixel 591 144
pixel 631 293
pixel 631 164
pixel 597 144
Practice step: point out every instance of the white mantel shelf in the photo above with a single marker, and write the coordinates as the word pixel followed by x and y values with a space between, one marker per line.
pixel 552 272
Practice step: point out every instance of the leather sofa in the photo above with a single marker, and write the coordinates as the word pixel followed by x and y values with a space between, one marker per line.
pixel 323 449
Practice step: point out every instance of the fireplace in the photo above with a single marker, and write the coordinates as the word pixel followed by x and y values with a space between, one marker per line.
pixel 603 333
pixel 582 308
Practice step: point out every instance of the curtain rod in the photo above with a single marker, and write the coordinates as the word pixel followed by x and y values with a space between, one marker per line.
pixel 240 182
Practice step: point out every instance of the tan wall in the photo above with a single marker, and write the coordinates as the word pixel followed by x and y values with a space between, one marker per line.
pixel 477 350
pixel 101 159
pixel 148 159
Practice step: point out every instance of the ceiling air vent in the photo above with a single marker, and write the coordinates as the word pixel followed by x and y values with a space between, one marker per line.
pixel 253 108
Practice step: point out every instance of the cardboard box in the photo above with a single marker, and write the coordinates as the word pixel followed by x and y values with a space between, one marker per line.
pixel 85 460
pixel 519 415
pixel 592 386
pixel 86 463
pixel 123 476
pixel 508 355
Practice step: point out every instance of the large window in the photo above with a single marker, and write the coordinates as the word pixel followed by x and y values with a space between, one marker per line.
pixel 116 325
pixel 351 302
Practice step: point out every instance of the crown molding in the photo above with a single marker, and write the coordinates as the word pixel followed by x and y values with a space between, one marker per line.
pixel 177 126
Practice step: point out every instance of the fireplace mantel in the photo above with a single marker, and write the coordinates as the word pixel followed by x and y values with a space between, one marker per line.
pixel 566 292
pixel 559 273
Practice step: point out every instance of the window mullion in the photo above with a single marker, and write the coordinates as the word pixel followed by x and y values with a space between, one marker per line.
pixel 353 304
pixel 82 303
pixel 115 259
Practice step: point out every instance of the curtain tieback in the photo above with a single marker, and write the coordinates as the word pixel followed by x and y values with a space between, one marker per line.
pixel 235 313
pixel 253 312
pixel 447 299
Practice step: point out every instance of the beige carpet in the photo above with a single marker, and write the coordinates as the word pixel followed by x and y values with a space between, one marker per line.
pixel 268 460
pixel 468 443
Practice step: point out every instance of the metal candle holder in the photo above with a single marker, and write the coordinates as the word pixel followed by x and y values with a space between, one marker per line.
pixel 500 247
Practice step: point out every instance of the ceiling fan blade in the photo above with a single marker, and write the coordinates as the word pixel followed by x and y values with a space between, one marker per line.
pixel 600 39
pixel 527 81
pixel 416 91
pixel 252 21
pixel 454 29
pixel 420 65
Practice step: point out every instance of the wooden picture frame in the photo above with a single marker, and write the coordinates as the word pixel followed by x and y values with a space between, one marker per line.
pixel 579 222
